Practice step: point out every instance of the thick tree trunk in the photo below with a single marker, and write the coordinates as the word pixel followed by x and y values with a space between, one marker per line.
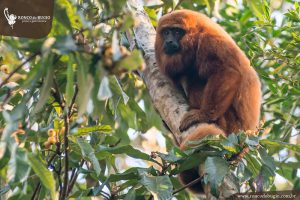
pixel 166 98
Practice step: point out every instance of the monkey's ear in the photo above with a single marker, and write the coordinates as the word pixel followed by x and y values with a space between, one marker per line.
pixel 199 133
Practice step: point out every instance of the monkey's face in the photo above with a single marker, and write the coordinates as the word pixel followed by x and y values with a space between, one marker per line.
pixel 171 39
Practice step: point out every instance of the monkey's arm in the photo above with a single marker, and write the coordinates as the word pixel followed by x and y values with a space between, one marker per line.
pixel 219 93
pixel 218 96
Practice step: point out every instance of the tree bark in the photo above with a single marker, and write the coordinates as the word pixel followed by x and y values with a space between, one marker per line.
pixel 166 98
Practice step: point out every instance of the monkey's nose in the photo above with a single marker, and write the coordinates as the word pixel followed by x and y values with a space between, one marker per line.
pixel 172 45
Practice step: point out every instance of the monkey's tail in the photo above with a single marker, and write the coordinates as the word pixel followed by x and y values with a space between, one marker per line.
pixel 190 175
pixel 200 132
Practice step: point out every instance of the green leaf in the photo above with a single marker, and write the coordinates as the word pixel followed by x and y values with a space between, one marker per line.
pixel 216 169
pixel 85 86
pixel 252 164
pixel 64 44
pixel 160 186
pixel 266 159
pixel 104 90
pixel 256 7
pixel 132 173
pixel 210 5
pixel 243 173
pixel 231 143
pixel 88 152
pixel 170 157
pixel 268 176
pixel 48 81
pixel 84 131
pixel 128 150
pixel 18 168
pixel 70 82
pixel 252 141
pixel 130 195
pixel 43 173
pixel 132 62
pixel 279 144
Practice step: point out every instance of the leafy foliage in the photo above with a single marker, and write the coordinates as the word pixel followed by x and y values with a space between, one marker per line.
pixel 68 102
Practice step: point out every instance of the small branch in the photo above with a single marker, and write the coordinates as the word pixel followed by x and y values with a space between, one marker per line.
pixel 6 99
pixel 18 68
pixel 57 95
pixel 99 22
pixel 188 185
pixel 66 164
pixel 74 178
pixel 178 4
pixel 36 191
pixel 239 156
pixel 73 101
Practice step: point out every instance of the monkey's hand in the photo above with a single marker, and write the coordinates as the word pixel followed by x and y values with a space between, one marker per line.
pixel 191 118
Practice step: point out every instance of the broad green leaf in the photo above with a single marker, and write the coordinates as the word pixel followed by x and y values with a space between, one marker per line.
pixel 160 186
pixel 64 44
pixel 130 195
pixel 132 62
pixel 216 169
pixel 170 157
pixel 83 131
pixel 128 150
pixel 18 167
pixel 253 164
pixel 231 143
pixel 252 141
pixel 117 88
pixel 131 173
pixel 266 159
pixel 43 173
pixel 104 92
pixel 48 81
pixel 88 152
pixel 279 144
pixel 256 7
pixel 210 5
pixel 268 176
pixel 243 173
pixel 85 86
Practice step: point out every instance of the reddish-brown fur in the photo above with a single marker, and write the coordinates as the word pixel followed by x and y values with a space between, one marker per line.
pixel 222 89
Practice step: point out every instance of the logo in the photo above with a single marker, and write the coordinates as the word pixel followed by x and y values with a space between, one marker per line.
pixel 30 18
pixel 11 18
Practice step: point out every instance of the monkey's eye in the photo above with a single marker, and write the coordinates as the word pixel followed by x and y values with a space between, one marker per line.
pixel 166 32
pixel 178 32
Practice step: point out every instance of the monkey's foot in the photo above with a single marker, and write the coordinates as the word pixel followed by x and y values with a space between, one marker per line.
pixel 191 118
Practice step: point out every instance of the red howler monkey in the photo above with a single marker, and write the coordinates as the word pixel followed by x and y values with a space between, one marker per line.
pixel 222 89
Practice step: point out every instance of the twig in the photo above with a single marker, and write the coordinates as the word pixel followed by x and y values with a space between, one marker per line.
pixel 18 68
pixel 73 101
pixel 178 4
pixel 99 22
pixel 5 100
pixel 36 191
pixel 57 96
pixel 66 149
pixel 239 156
pixel 188 185
pixel 74 178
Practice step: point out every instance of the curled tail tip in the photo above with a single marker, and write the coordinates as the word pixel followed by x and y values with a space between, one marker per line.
pixel 200 132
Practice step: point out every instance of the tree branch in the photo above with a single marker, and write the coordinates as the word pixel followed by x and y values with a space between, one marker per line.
pixel 18 68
